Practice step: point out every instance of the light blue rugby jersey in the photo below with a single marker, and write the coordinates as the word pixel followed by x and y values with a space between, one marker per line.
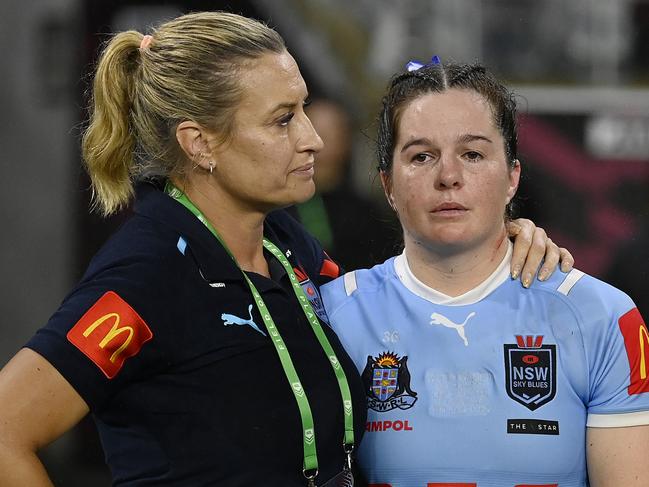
pixel 493 388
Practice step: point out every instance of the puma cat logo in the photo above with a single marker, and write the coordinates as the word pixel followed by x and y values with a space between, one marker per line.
pixel 229 319
pixel 438 319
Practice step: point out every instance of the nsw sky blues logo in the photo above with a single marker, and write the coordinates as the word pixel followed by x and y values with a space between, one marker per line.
pixel 531 371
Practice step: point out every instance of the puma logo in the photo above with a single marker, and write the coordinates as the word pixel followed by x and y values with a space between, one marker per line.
pixel 229 319
pixel 438 319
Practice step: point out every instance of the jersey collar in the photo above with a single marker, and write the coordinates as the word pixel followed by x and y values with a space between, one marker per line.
pixel 408 279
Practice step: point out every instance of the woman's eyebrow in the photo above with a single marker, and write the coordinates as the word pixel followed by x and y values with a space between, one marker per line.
pixel 466 138
pixel 420 141
pixel 288 105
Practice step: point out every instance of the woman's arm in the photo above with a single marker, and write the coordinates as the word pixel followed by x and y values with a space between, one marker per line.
pixel 37 405
pixel 618 456
pixel 531 246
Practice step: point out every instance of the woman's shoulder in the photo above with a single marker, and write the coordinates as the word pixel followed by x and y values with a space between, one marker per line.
pixel 578 286
pixel 140 245
pixel 591 300
pixel 355 284
pixel 305 250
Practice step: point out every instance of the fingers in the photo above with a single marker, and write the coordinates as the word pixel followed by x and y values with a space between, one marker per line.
pixel 567 260
pixel 537 252
pixel 553 255
pixel 514 228
pixel 551 260
pixel 523 231
pixel 532 247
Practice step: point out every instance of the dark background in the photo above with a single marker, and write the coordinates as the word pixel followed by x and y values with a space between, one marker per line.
pixel 581 69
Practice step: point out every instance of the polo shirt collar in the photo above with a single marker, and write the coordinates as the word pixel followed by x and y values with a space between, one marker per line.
pixel 213 260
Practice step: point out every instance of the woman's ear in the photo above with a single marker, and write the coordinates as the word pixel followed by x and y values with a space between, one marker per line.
pixel 193 141
pixel 514 179
pixel 386 182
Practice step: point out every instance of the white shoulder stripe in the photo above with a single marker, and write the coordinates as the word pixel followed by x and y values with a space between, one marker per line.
pixel 350 282
pixel 619 420
pixel 570 280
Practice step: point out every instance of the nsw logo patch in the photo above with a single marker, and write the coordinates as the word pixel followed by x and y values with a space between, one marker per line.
pixel 531 371
pixel 387 383
pixel 110 332
pixel 312 294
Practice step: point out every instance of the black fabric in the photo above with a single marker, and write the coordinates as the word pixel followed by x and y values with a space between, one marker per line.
pixel 202 404
pixel 630 270
pixel 363 234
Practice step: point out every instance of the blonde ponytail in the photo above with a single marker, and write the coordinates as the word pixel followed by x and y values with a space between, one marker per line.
pixel 109 142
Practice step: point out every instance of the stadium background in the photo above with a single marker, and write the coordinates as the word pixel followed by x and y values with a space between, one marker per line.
pixel 581 69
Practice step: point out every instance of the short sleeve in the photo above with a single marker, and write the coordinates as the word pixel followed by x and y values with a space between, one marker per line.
pixel 104 336
pixel 617 346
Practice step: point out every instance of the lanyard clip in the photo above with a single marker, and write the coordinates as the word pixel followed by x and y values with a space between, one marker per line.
pixel 310 476
pixel 349 448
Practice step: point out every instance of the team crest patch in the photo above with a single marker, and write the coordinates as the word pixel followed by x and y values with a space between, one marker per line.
pixel 312 294
pixel 531 371
pixel 110 332
pixel 387 383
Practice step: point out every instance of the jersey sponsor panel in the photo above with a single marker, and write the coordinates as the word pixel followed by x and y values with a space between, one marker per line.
pixel 388 425
pixel 110 332
pixel 532 427
pixel 636 342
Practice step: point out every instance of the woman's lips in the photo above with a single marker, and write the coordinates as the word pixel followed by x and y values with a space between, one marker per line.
pixel 449 209
pixel 306 170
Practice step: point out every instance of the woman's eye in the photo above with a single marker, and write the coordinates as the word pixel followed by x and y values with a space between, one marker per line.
pixel 473 156
pixel 421 158
pixel 283 122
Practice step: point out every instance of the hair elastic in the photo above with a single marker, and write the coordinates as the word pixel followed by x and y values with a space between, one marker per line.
pixel 415 65
pixel 146 41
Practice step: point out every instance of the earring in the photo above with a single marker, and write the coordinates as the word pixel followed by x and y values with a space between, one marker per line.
pixel 211 166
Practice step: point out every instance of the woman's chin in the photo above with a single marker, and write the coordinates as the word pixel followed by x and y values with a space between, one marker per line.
pixel 304 194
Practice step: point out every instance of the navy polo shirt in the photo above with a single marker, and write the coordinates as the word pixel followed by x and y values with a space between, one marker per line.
pixel 161 341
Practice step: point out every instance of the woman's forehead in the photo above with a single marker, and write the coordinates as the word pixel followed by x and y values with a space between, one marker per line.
pixel 270 81
pixel 452 110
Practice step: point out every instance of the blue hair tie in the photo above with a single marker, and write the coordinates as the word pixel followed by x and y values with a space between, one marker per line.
pixel 415 65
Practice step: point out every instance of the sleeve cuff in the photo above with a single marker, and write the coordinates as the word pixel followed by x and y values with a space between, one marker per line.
pixel 618 420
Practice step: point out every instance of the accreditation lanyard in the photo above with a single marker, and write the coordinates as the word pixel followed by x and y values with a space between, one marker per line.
pixel 308 436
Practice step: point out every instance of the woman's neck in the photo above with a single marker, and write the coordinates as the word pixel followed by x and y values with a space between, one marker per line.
pixel 240 228
pixel 455 273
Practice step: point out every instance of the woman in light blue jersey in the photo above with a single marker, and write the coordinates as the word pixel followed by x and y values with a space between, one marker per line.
pixel 470 380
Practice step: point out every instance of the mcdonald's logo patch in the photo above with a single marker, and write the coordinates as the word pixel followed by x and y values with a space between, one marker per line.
pixel 636 341
pixel 109 333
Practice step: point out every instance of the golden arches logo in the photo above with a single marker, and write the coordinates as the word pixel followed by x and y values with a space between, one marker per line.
pixel 115 331
pixel 643 336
